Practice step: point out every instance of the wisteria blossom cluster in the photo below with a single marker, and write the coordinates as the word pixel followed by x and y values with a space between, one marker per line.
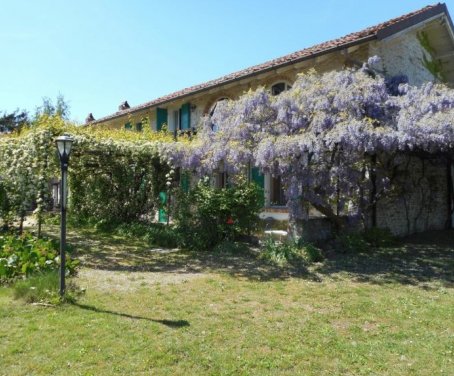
pixel 327 136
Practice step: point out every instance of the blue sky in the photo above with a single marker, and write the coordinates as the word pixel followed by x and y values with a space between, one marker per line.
pixel 98 53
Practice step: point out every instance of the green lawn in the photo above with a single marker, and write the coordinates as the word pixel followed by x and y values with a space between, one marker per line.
pixel 155 312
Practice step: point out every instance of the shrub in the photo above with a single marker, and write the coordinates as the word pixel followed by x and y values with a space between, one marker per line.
pixel 312 253
pixel 25 255
pixel 379 237
pixel 162 235
pixel 206 216
pixel 359 242
pixel 282 253
pixel 229 247
pixel 352 243
pixel 157 234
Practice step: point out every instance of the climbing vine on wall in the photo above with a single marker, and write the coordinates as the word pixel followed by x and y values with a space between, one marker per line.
pixel 431 63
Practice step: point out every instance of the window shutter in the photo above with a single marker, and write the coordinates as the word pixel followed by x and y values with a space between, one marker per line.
pixel 258 177
pixel 185 116
pixel 161 118
pixel 162 213
pixel 184 182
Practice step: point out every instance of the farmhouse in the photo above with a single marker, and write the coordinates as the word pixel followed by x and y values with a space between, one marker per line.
pixel 419 45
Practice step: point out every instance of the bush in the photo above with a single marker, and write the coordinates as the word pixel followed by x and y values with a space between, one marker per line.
pixel 379 237
pixel 359 242
pixel 156 234
pixel 228 247
pixel 162 235
pixel 352 243
pixel 290 252
pixel 206 216
pixel 312 253
pixel 24 255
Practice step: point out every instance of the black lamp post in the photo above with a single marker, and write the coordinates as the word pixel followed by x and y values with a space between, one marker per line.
pixel 64 144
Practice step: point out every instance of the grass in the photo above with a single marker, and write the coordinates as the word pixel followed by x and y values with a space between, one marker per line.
pixel 153 312
pixel 38 288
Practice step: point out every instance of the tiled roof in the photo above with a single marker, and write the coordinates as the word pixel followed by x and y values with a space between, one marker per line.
pixel 379 31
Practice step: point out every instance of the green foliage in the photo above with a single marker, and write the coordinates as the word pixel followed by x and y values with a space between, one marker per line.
pixel 157 234
pixel 48 108
pixel 44 288
pixel 114 175
pixel 352 243
pixel 312 253
pixel 39 288
pixel 433 65
pixel 379 237
pixel 24 255
pixel 206 216
pixel 360 242
pixel 13 121
pixel 288 252
pixel 229 247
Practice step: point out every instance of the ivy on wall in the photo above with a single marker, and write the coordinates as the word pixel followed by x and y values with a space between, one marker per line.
pixel 431 63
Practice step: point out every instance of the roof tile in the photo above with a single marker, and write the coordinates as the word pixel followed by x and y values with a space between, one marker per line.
pixel 325 47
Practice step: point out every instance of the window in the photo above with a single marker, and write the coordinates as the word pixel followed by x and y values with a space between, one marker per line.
pixel 139 126
pixel 277 197
pixel 221 180
pixel 176 120
pixel 279 87
pixel 128 126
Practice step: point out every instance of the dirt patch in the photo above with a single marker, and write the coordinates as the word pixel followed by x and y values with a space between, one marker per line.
pixel 108 280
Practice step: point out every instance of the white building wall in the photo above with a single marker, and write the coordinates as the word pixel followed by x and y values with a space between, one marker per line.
pixel 402 54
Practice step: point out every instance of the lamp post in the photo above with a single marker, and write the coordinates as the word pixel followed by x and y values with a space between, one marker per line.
pixel 64 144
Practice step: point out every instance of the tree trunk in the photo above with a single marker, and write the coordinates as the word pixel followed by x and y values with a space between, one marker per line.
pixel 450 197
pixel 373 192
pixel 331 215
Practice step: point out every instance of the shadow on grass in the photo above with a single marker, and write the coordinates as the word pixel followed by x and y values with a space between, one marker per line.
pixel 416 260
pixel 169 323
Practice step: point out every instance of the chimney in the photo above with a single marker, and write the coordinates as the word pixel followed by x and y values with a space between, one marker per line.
pixel 89 118
pixel 123 106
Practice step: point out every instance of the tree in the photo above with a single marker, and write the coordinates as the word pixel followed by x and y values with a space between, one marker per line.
pixel 13 121
pixel 59 109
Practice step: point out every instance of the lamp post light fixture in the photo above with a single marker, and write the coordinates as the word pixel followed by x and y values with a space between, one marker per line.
pixel 64 144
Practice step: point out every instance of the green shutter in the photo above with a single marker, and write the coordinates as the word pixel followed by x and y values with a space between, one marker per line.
pixel 185 116
pixel 161 118
pixel 258 177
pixel 162 213
pixel 184 182
pixel 128 126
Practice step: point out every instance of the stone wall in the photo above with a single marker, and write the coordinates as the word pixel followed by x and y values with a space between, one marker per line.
pixel 419 203
pixel 402 54
pixel 422 202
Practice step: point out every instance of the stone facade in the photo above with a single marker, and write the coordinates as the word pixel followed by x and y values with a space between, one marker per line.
pixel 422 202
pixel 402 54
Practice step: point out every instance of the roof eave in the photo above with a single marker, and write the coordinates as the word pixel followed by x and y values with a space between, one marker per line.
pixel 265 70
